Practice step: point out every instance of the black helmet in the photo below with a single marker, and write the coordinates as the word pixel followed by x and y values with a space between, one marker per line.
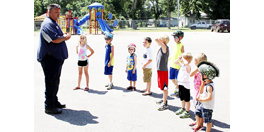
pixel 178 33
pixel 208 69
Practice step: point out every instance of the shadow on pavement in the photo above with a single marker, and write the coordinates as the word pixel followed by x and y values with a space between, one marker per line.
pixel 154 95
pixel 97 92
pixel 121 88
pixel 220 124
pixel 76 117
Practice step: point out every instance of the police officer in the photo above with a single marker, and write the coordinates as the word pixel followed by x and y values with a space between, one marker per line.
pixel 52 52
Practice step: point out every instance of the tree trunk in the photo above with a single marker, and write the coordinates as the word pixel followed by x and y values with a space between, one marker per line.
pixel 133 15
pixel 168 9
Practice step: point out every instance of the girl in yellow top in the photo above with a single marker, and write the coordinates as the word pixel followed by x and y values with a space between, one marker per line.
pixel 177 50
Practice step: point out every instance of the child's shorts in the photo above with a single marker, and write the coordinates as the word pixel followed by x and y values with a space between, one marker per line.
pixel 163 79
pixel 173 73
pixel 206 114
pixel 184 93
pixel 147 74
pixel 131 76
pixel 83 63
pixel 108 70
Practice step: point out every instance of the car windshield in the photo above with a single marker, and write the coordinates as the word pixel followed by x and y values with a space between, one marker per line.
pixel 226 22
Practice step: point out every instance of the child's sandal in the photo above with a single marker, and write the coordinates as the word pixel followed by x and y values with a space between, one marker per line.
pixel 76 88
pixel 192 124
pixel 133 88
pixel 129 88
pixel 86 89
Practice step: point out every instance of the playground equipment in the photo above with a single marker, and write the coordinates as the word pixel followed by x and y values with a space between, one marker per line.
pixel 67 24
pixel 70 24
pixel 95 18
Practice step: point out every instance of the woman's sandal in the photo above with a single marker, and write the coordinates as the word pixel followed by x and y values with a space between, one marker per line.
pixel 76 88
pixel 86 89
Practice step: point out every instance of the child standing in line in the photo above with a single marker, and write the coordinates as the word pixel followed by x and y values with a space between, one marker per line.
pixel 83 62
pixel 184 83
pixel 177 50
pixel 109 59
pixel 131 67
pixel 147 65
pixel 162 69
pixel 207 95
pixel 197 81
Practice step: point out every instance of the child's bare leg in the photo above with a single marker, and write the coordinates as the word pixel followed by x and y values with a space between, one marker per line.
pixel 86 75
pixel 80 76
pixel 110 78
pixel 188 104
pixel 198 120
pixel 165 95
pixel 208 127
pixel 175 82
pixel 201 122
pixel 130 83
pixel 134 83
pixel 183 104
pixel 148 86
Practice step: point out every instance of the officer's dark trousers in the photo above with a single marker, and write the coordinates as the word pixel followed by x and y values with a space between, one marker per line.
pixel 52 71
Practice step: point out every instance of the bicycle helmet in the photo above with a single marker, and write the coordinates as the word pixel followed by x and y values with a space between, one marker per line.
pixel 208 69
pixel 108 35
pixel 178 33
pixel 132 45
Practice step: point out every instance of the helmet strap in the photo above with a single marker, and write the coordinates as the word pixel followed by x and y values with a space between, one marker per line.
pixel 204 78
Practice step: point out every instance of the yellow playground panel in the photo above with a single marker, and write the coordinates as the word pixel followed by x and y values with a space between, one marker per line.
pixel 62 23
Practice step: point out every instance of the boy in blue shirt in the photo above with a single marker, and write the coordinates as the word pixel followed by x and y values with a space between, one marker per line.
pixel 109 59
pixel 131 67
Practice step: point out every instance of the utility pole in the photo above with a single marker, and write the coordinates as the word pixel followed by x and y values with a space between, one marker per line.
pixel 178 14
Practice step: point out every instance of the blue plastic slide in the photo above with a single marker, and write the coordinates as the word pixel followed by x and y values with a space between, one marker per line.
pixel 101 23
pixel 104 26
pixel 79 30
pixel 108 28
pixel 83 20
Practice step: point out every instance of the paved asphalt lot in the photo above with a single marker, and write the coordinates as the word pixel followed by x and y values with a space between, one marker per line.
pixel 122 110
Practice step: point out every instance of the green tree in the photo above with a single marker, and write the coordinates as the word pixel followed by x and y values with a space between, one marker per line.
pixel 215 9
pixel 168 6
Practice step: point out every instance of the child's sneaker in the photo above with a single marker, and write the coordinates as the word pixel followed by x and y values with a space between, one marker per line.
pixel 164 106
pixel 175 93
pixel 185 114
pixel 180 111
pixel 159 102
pixel 110 86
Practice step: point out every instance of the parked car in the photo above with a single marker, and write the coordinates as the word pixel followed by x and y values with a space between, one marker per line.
pixel 200 25
pixel 221 25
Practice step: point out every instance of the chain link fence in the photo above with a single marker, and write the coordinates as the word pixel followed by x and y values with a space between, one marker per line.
pixel 148 24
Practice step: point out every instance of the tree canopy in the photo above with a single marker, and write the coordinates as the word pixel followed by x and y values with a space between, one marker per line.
pixel 141 9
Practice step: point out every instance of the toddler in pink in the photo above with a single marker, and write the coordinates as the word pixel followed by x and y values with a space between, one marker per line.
pixel 197 81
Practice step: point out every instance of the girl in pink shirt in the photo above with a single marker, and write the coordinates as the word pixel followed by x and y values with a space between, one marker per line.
pixel 197 81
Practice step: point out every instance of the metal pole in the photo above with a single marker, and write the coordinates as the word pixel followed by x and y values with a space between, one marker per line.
pixel 178 14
